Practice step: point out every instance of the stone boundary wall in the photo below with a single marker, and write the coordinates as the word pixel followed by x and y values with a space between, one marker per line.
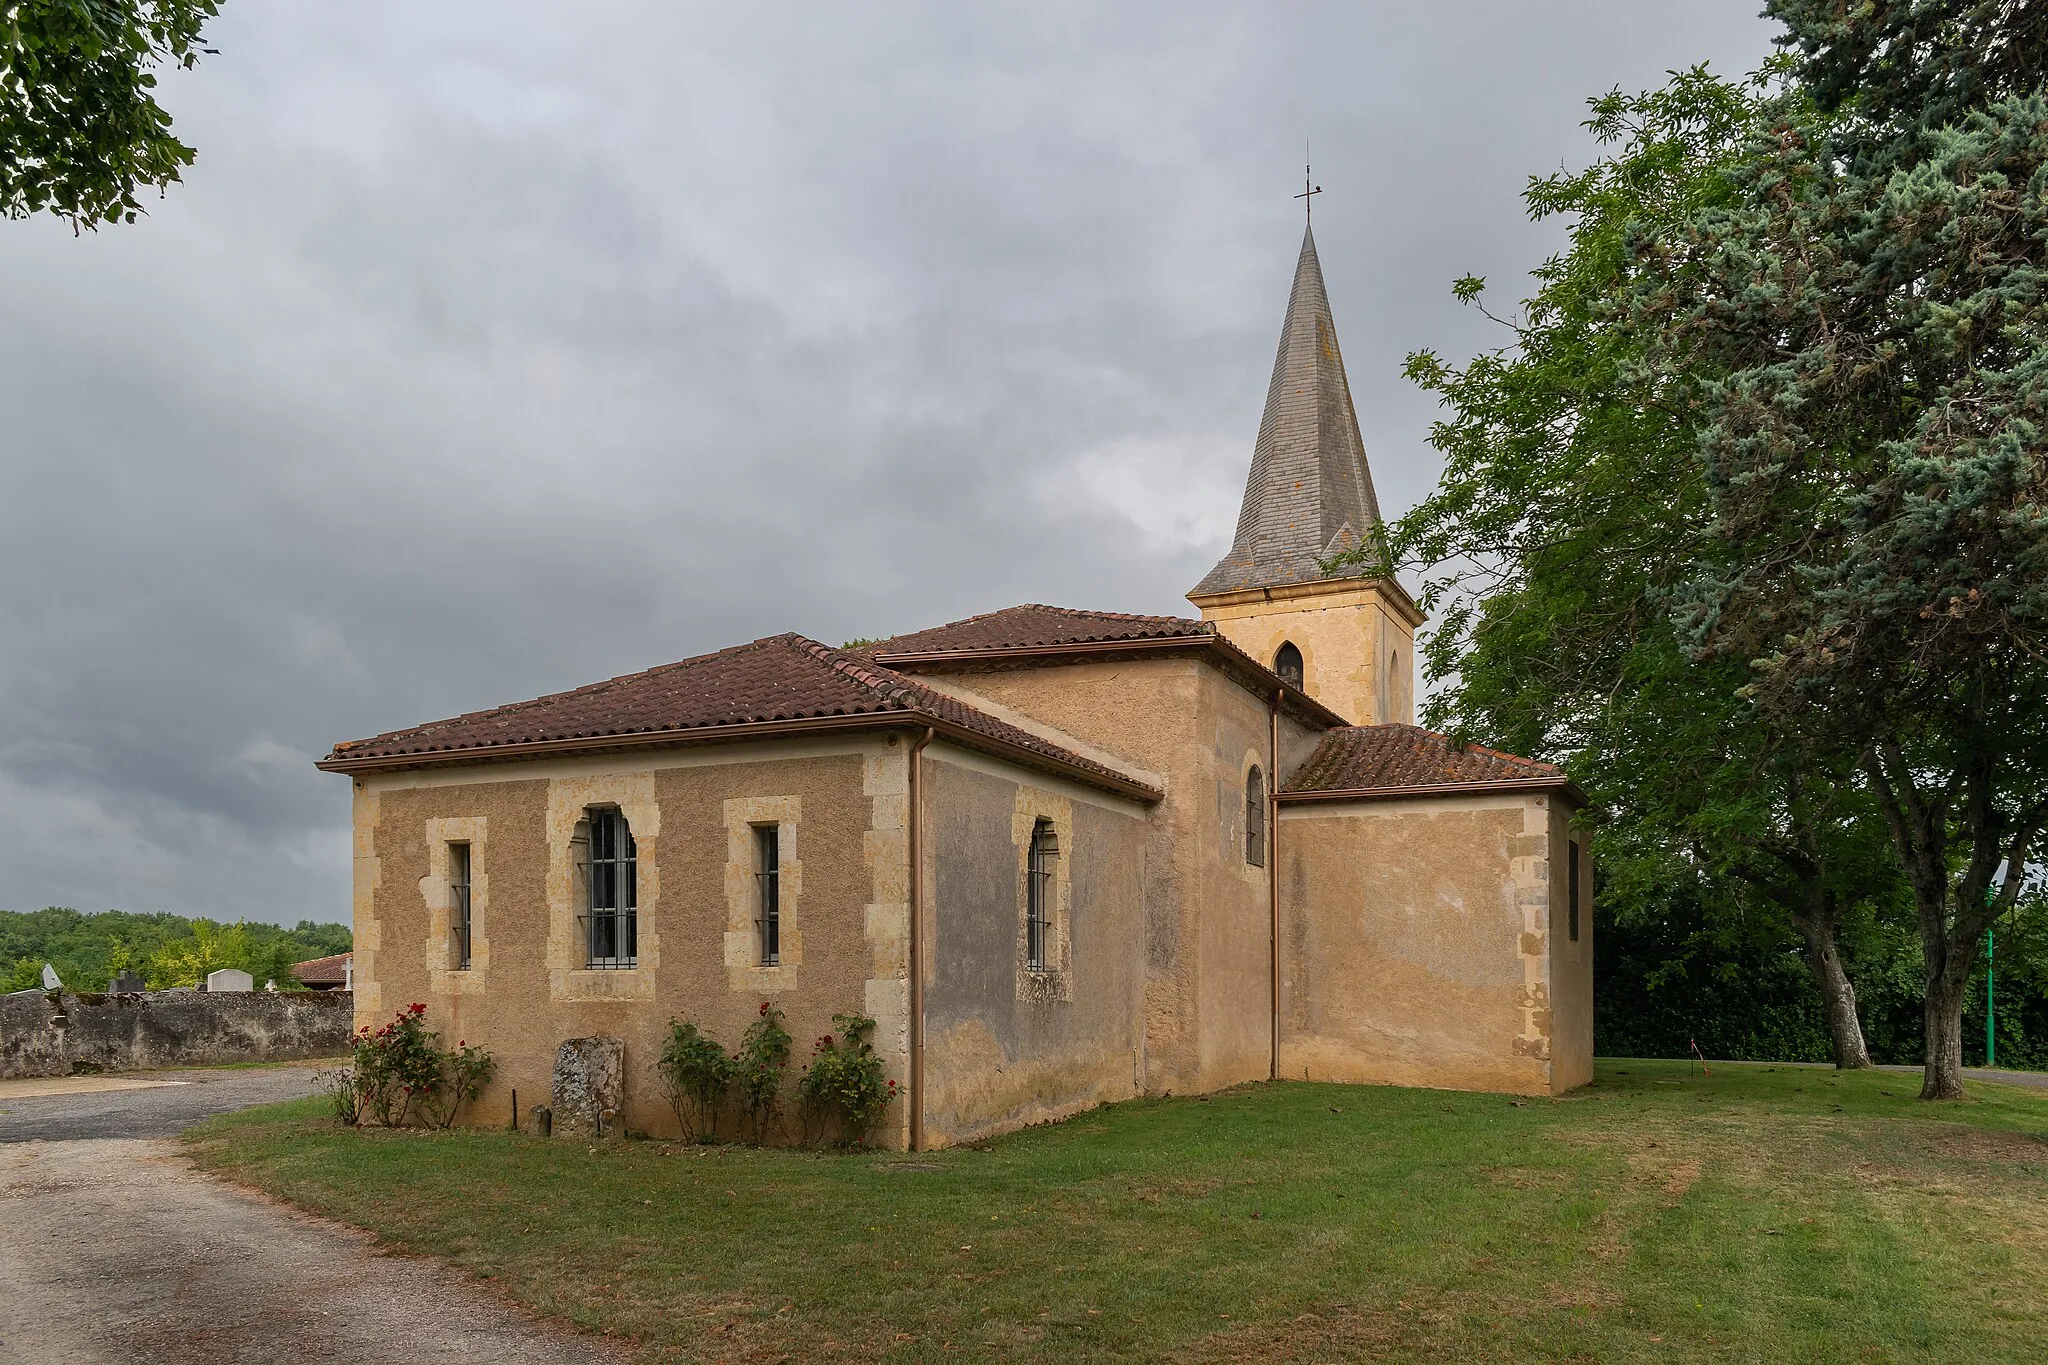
pixel 53 1033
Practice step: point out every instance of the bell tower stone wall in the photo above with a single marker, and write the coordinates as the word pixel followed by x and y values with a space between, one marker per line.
pixel 1356 638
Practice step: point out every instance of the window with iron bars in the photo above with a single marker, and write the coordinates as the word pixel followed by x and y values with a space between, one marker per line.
pixel 1038 894
pixel 1255 818
pixel 458 905
pixel 768 878
pixel 611 928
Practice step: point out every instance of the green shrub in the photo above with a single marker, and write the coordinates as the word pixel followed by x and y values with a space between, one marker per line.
pixel 696 1076
pixel 402 1066
pixel 844 1087
pixel 762 1058
pixel 464 1074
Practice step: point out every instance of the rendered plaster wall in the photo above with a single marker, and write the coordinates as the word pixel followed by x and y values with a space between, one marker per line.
pixel 1205 932
pixel 839 808
pixel 1571 962
pixel 1418 946
pixel 1006 1045
pixel 1357 651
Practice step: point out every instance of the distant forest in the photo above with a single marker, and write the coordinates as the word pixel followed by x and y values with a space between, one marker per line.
pixel 163 949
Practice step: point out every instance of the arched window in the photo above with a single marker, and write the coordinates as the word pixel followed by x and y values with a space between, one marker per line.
pixel 1255 818
pixel 611 929
pixel 1038 893
pixel 1287 663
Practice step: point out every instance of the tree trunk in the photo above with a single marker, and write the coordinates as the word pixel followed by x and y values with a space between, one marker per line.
pixel 1943 1079
pixel 1837 994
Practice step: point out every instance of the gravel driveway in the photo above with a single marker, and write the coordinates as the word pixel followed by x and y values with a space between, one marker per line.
pixel 148 1104
pixel 113 1249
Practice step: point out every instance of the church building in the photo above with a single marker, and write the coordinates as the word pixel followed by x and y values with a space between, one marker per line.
pixel 1062 857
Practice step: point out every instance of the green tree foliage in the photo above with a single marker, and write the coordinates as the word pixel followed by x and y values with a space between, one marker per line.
pixel 80 128
pixel 1678 971
pixel 1571 507
pixel 165 950
pixel 1856 330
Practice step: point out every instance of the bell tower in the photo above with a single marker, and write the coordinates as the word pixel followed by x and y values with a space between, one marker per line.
pixel 1347 640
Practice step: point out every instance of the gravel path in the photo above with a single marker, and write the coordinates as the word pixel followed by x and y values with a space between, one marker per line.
pixel 113 1250
pixel 172 1102
pixel 2036 1080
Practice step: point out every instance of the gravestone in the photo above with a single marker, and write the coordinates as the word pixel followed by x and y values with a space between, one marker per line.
pixel 126 983
pixel 229 979
pixel 589 1082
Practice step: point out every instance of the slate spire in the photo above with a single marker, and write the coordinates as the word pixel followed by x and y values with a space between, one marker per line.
pixel 1310 493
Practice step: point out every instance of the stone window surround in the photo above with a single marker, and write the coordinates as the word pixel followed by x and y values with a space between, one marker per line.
pixel 1252 769
pixel 1300 657
pixel 443 978
pixel 744 969
pixel 1234 833
pixel 1053 982
pixel 569 800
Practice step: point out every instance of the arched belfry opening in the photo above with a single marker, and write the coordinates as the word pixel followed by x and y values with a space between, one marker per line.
pixel 1287 663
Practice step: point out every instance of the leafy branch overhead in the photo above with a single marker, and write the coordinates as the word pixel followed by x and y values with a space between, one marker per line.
pixel 81 130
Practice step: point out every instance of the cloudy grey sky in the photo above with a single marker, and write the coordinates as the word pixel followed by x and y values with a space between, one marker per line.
pixel 492 349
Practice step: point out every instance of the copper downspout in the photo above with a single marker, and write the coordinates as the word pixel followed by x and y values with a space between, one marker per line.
pixel 915 818
pixel 1273 870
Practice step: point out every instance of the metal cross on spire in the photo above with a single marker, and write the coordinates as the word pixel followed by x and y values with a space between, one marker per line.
pixel 1308 193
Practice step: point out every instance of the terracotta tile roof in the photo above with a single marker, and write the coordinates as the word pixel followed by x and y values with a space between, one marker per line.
pixel 1036 634
pixel 783 678
pixel 323 971
pixel 1035 624
pixel 1393 758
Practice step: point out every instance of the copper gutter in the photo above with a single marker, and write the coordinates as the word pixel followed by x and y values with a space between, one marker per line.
pixel 1105 779
pixel 1273 870
pixel 1495 786
pixel 914 817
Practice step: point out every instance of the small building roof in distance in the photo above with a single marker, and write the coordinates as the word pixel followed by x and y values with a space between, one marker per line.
pixel 1396 760
pixel 324 971
pixel 779 684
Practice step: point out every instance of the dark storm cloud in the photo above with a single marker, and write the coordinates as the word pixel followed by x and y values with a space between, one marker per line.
pixel 491 350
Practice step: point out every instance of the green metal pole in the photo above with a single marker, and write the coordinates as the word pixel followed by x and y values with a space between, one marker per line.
pixel 1991 980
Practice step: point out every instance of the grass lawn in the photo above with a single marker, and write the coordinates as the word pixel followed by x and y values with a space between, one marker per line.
pixel 1759 1213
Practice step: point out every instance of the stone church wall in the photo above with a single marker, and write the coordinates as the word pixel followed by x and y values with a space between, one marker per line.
pixel 1571 960
pixel 839 807
pixel 1420 945
pixel 1006 1046
pixel 1205 932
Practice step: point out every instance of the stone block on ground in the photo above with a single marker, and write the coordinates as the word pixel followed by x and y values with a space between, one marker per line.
pixel 589 1080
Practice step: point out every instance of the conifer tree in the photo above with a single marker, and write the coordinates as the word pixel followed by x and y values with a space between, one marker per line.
pixel 1858 333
